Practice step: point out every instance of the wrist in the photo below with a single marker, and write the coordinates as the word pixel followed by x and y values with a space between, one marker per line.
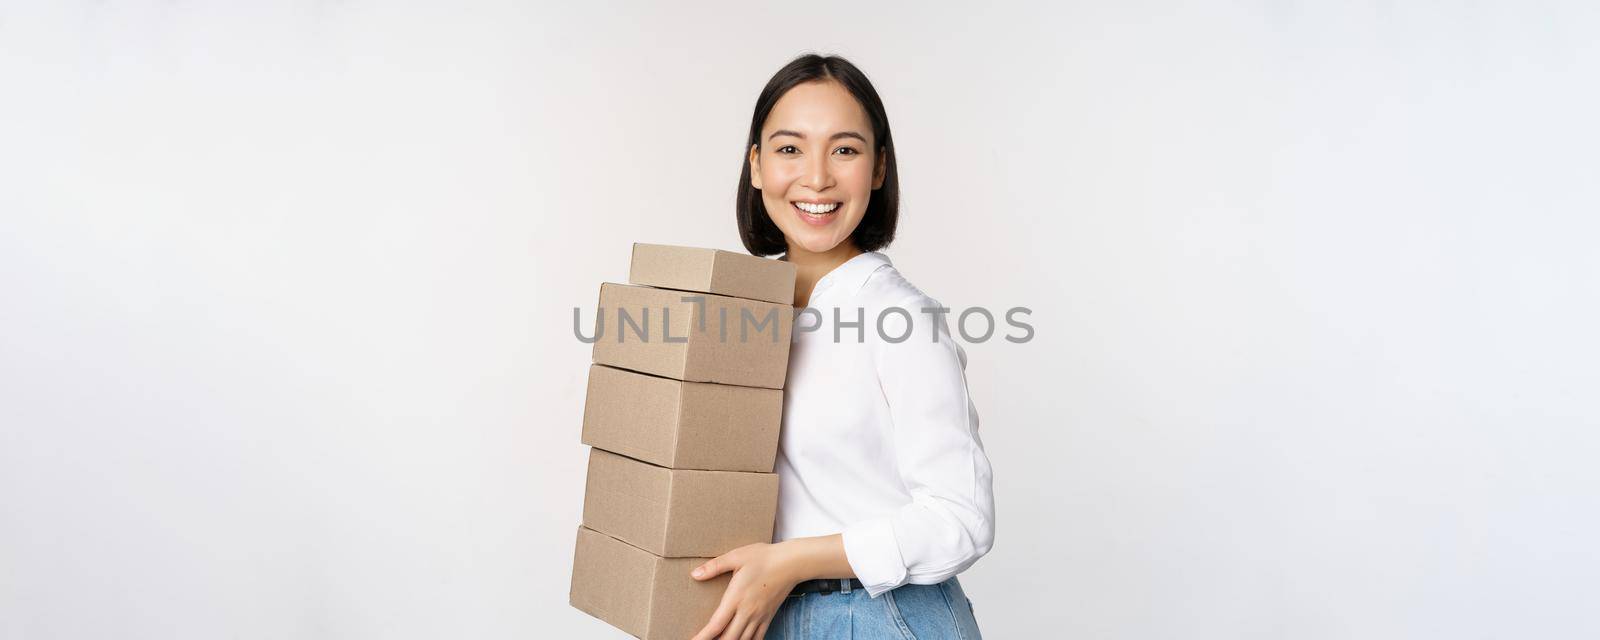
pixel 792 565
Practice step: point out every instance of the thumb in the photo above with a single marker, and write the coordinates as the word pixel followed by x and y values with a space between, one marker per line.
pixel 715 567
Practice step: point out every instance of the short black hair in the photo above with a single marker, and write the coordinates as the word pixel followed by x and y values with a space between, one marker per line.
pixel 876 230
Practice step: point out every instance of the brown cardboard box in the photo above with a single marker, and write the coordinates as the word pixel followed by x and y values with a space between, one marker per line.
pixel 678 513
pixel 645 595
pixel 683 425
pixel 712 271
pixel 706 338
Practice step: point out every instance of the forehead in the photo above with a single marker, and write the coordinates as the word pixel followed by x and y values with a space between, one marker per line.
pixel 818 109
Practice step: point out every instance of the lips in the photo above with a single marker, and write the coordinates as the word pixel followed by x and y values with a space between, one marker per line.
pixel 816 207
pixel 816 213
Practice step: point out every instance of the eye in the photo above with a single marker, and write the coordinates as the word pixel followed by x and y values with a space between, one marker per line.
pixel 787 146
pixel 851 150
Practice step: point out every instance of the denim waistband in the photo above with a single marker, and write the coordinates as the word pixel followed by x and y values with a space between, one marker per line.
pixel 825 586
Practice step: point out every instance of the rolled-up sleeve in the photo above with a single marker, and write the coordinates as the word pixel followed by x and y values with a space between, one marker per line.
pixel 949 522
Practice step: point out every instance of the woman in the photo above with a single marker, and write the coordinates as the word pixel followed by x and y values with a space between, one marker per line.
pixel 884 488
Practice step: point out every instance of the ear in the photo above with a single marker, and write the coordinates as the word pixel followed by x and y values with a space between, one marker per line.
pixel 881 171
pixel 755 166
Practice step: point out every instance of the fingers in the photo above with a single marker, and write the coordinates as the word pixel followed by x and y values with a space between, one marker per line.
pixel 719 620
pixel 735 631
pixel 756 631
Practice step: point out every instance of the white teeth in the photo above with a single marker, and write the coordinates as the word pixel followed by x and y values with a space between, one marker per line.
pixel 817 208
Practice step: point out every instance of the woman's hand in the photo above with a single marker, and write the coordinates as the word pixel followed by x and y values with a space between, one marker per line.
pixel 763 574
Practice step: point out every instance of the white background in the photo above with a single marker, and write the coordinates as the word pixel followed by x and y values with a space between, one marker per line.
pixel 286 302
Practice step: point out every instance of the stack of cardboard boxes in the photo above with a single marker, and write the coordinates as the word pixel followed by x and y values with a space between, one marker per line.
pixel 683 409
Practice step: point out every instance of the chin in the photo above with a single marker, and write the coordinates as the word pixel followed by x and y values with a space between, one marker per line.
pixel 816 244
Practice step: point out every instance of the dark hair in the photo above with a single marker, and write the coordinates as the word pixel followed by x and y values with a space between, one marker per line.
pixel 876 230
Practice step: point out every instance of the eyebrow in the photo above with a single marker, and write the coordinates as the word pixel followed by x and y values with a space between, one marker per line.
pixel 836 136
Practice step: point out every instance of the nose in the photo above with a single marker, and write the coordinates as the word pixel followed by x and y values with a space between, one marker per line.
pixel 817 177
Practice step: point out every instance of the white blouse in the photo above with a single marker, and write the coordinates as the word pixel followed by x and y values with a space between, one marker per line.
pixel 880 439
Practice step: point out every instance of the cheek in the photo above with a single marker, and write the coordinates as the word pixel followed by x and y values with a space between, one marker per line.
pixel 776 177
pixel 857 178
pixel 858 181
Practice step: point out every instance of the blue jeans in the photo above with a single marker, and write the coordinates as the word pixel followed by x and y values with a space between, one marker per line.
pixel 909 612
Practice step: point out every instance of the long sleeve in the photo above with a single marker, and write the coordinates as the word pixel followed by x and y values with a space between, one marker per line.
pixel 949 522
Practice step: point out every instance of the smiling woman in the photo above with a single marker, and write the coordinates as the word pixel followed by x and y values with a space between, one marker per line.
pixel 820 153
pixel 820 149
pixel 885 492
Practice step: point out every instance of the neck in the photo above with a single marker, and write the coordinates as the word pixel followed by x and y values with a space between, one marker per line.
pixel 811 267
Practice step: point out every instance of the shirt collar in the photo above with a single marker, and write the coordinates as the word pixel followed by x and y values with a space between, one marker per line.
pixel 848 278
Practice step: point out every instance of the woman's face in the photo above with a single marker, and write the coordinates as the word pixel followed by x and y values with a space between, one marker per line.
pixel 817 152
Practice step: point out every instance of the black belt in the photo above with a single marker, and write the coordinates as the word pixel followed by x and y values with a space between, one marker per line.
pixel 824 586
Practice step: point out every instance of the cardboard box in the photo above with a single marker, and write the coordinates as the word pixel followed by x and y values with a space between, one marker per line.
pixel 712 271
pixel 699 337
pixel 683 425
pixel 642 594
pixel 678 513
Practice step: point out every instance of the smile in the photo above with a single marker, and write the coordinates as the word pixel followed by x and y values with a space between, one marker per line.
pixel 816 213
pixel 817 208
